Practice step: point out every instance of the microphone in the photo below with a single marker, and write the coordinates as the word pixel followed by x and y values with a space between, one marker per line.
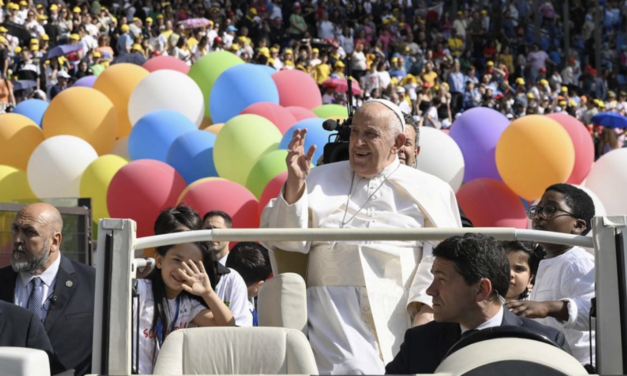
pixel 330 125
pixel 53 300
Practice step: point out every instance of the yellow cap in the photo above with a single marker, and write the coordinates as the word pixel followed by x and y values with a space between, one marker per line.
pixel 271 61
pixel 23 3
pixel 3 29
pixel 159 16
pixel 264 51
pixel 34 47
pixel 274 49
pixel 520 81
pixel 490 63
pixel 288 51
pixel 137 47
pixel 564 89
pixel 394 81
pixel 3 39
pixel 315 50
pixel 42 17
pixel 252 11
pixel 45 37
pixel 77 10
pixel 34 41
pixel 484 12
pixel 562 103
pixel 530 95
pixel 148 19
pixel 54 7
pixel 135 19
pixel 47 62
pixel 97 54
pixel 242 38
pixel 18 49
pixel 75 37
pixel 125 28
pixel 544 82
pixel 14 6
pixel 339 64
pixel 235 47
pixel 39 6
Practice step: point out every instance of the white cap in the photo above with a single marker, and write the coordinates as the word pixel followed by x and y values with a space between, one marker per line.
pixel 394 108
pixel 400 90
pixel 63 74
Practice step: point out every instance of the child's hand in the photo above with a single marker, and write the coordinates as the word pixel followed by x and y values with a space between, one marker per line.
pixel 529 309
pixel 196 278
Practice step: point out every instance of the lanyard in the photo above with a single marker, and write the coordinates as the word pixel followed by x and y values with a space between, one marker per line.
pixel 159 326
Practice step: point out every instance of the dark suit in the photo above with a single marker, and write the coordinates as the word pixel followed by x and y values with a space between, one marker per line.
pixel 425 346
pixel 70 320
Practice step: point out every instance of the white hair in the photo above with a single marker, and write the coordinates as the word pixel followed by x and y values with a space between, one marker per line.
pixel 398 126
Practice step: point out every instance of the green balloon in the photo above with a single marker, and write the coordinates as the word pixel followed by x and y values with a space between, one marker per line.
pixel 241 143
pixel 207 69
pixel 266 168
pixel 330 110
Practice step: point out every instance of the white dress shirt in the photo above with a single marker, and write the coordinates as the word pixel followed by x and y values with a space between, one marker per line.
pixel 497 320
pixel 23 286
pixel 233 292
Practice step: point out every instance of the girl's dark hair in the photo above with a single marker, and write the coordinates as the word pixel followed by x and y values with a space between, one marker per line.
pixel 535 253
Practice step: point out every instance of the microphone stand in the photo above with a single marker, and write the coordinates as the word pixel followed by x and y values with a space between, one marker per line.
pixel 349 80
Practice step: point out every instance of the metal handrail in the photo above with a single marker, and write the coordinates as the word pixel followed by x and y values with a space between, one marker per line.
pixel 356 234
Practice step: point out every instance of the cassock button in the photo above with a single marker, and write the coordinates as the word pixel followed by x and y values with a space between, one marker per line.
pixel 69 283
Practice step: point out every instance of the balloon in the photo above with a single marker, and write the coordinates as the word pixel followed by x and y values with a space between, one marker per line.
pixel 266 168
pixel 300 113
pixel 117 82
pixel 226 196
pixel 141 190
pixel 214 128
pixel 182 95
pixel 56 166
pixel 237 88
pixel 533 153
pixel 477 132
pixel 87 81
pixel 120 148
pixel 33 109
pixel 206 70
pixel 272 190
pixel 96 180
pixel 297 88
pixel 191 154
pixel 440 156
pixel 243 140
pixel 330 111
pixel 582 142
pixel 599 208
pixel 85 113
pixel 191 186
pixel 166 62
pixel 19 136
pixel 14 185
pixel 278 115
pixel 608 179
pixel 206 122
pixel 316 135
pixel 490 203
pixel 266 69
pixel 153 134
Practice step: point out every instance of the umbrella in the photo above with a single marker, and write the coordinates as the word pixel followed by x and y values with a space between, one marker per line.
pixel 17 31
pixel 341 85
pixel 62 50
pixel 194 23
pixel 610 120
pixel 132 58
pixel 24 85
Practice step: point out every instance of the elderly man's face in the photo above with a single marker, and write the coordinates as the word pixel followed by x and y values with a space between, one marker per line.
pixel 32 238
pixel 373 141
pixel 408 153
pixel 452 296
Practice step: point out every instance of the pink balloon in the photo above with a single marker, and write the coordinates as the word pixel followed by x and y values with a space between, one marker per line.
pixel 490 203
pixel 166 62
pixel 278 115
pixel 141 190
pixel 226 196
pixel 584 146
pixel 297 88
pixel 272 190
pixel 301 113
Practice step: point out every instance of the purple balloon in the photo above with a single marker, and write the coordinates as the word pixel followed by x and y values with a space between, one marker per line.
pixel 87 81
pixel 477 132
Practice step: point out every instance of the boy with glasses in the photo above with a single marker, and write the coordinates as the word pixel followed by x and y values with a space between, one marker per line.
pixel 565 280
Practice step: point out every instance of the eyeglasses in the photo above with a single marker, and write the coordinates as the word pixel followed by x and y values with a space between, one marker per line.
pixel 547 211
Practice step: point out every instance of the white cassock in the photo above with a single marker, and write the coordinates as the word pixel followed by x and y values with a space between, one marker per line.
pixel 359 292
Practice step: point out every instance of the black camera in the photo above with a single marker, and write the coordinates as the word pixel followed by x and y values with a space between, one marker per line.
pixel 336 150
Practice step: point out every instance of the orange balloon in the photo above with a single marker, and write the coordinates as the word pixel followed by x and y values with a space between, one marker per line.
pixel 117 82
pixel 19 136
pixel 533 153
pixel 215 128
pixel 85 113
pixel 206 122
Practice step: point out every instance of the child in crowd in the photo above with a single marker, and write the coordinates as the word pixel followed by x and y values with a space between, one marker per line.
pixel 251 261
pixel 564 284
pixel 524 257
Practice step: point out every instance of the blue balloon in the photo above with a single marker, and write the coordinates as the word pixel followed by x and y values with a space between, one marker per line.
pixel 316 135
pixel 191 154
pixel 153 134
pixel 33 109
pixel 267 69
pixel 87 81
pixel 237 88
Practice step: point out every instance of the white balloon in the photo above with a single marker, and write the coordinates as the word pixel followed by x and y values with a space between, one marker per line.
pixel 121 148
pixel 167 90
pixel 440 156
pixel 608 179
pixel 57 164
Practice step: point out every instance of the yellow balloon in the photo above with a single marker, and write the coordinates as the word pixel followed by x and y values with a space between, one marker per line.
pixel 85 113
pixel 95 182
pixel 14 185
pixel 533 153
pixel 117 83
pixel 199 181
pixel 19 136
pixel 215 128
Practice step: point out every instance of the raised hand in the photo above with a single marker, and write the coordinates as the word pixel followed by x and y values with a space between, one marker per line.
pixel 196 280
pixel 298 166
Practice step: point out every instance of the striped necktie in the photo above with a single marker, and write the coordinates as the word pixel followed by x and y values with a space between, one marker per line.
pixel 35 301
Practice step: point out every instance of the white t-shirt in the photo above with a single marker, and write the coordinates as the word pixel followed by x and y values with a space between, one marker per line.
pixel 232 290
pixel 188 309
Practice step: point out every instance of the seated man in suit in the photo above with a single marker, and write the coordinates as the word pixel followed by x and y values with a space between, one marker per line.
pixel 471 276
pixel 59 291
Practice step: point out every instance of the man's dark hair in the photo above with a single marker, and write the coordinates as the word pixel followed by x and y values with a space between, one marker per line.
pixel 580 203
pixel 409 120
pixel 249 260
pixel 174 218
pixel 478 256
pixel 218 213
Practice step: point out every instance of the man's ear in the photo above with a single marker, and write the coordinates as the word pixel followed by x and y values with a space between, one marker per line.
pixel 579 227
pixel 484 289
pixel 398 143
pixel 417 151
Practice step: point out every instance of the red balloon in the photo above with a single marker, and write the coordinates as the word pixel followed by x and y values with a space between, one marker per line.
pixel 141 190
pixel 272 190
pixel 490 203
pixel 297 88
pixel 166 62
pixel 227 196
pixel 584 146
pixel 278 115
pixel 301 113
